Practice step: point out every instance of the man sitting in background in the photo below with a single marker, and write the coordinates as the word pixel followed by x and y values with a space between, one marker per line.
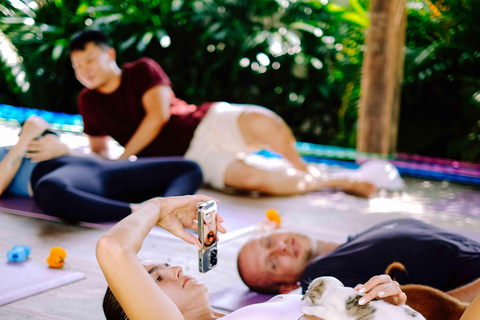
pixel 136 106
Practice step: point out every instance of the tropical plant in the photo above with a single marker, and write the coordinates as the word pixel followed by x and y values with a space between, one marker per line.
pixel 440 109
pixel 295 57
pixel 301 58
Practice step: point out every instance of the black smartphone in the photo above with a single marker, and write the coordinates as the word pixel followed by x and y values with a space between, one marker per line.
pixel 207 235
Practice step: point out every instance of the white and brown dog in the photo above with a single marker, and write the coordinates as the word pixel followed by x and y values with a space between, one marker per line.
pixel 329 299
pixel 432 303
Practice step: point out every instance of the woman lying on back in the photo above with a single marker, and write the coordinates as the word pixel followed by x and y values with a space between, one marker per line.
pixel 152 290
pixel 89 189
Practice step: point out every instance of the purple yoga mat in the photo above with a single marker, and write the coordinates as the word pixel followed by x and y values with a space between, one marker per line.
pixel 27 207
pixel 236 297
pixel 21 280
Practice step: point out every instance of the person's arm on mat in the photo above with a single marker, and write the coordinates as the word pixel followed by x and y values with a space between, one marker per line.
pixel 117 250
pixel 156 102
pixel 33 127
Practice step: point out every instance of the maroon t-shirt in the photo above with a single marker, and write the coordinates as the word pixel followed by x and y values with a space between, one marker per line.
pixel 118 114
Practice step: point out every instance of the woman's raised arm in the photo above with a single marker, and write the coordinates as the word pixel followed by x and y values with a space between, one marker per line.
pixel 117 251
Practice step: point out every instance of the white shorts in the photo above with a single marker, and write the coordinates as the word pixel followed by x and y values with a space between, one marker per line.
pixel 218 142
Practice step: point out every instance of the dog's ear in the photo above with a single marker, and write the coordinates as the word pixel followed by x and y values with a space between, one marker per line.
pixel 287 287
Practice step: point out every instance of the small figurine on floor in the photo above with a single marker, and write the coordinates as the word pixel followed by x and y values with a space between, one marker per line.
pixel 273 216
pixel 270 224
pixel 18 253
pixel 56 258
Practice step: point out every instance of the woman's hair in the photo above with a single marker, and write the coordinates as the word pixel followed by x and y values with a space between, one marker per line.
pixel 112 308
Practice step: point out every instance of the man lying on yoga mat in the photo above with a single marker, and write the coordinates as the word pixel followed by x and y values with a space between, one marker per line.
pixel 87 189
pixel 137 107
pixel 282 261
pixel 152 290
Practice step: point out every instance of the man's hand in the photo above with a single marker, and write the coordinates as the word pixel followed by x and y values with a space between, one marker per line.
pixel 382 287
pixel 33 128
pixel 46 148
pixel 99 145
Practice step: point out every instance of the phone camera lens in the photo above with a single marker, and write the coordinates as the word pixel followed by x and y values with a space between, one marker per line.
pixel 213 257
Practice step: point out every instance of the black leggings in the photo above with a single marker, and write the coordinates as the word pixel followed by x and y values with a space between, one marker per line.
pixel 94 190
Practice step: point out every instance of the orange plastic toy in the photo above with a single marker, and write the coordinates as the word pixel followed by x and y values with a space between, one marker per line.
pixel 272 215
pixel 56 258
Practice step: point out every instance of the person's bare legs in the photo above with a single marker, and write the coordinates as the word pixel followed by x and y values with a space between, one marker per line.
pixel 288 181
pixel 263 128
pixel 269 130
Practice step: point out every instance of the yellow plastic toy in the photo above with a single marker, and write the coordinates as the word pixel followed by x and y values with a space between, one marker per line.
pixel 272 215
pixel 56 258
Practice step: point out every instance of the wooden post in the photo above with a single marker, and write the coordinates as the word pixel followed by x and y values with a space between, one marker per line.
pixel 382 74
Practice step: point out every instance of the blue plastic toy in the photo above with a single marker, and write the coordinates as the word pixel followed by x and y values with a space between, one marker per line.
pixel 18 253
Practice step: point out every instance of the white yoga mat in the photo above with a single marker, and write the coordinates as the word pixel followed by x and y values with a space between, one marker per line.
pixel 21 280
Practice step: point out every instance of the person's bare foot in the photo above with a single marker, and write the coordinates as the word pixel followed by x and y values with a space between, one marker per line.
pixel 359 188
pixel 298 164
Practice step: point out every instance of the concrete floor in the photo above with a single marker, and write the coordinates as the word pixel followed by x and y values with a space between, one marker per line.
pixel 324 215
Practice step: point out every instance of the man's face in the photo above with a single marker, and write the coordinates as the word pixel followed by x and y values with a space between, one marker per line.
pixel 276 258
pixel 93 66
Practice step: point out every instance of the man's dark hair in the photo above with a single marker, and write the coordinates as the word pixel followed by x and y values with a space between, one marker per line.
pixel 80 39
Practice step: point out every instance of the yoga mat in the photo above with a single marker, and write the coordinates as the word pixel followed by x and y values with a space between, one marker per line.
pixel 236 297
pixel 27 207
pixel 21 280
pixel 407 164
pixel 239 296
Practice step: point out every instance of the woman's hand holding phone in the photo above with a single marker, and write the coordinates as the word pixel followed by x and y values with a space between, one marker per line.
pixel 177 213
pixel 207 235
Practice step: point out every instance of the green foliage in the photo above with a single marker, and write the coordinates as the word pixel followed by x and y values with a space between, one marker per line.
pixel 212 50
pixel 41 37
pixel 440 109
pixel 300 58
